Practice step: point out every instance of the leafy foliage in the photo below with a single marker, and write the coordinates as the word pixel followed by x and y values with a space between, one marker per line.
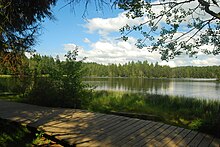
pixel 20 21
pixel 63 86
pixel 174 27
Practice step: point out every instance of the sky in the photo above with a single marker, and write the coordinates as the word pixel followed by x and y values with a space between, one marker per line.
pixel 97 37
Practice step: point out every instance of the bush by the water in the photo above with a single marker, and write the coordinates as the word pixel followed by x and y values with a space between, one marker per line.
pixel 63 86
pixel 48 92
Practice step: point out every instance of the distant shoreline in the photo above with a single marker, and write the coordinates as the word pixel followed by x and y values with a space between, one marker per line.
pixel 155 78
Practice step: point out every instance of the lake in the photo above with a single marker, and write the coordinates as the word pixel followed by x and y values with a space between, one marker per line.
pixel 198 88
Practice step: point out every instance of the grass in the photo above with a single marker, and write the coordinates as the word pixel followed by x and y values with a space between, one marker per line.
pixel 196 114
pixel 13 134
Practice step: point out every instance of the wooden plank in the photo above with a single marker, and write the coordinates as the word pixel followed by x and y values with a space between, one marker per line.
pixel 177 138
pixel 134 135
pixel 186 140
pixel 157 140
pixel 107 122
pixel 80 135
pixel 98 131
pixel 126 131
pixel 67 122
pixel 96 123
pixel 87 144
pixel 64 127
pixel 94 120
pixel 206 141
pixel 151 136
pixel 85 131
pixel 215 143
pixel 58 120
pixel 62 124
pixel 170 136
pixel 76 119
pixel 110 137
pixel 108 134
pixel 148 130
pixel 129 132
pixel 197 139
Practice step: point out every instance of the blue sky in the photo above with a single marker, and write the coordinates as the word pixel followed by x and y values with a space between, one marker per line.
pixel 68 27
pixel 97 37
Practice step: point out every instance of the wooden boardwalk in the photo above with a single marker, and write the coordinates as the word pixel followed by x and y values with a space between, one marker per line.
pixel 82 128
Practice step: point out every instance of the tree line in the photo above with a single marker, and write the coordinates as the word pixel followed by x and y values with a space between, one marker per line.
pixel 150 70
pixel 44 65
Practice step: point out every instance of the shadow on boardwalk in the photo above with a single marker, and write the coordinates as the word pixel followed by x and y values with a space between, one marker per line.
pixel 83 128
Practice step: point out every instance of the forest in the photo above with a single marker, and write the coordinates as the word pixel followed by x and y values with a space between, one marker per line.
pixel 43 65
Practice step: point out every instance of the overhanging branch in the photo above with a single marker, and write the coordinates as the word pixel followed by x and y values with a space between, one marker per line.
pixel 206 5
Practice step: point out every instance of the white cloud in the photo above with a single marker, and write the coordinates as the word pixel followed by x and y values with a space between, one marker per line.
pixel 105 26
pixel 70 47
pixel 170 63
pixel 115 51
pixel 205 61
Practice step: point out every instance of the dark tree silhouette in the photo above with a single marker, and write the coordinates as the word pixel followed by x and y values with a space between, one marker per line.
pixel 19 25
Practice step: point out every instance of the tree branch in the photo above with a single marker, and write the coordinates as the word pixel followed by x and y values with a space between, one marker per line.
pixel 206 5
pixel 168 3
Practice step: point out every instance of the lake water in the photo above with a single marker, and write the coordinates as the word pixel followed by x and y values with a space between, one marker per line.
pixel 198 88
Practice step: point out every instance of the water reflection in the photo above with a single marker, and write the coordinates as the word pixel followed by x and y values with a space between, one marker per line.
pixel 199 88
pixel 128 84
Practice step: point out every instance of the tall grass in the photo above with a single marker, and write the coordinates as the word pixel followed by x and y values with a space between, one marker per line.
pixel 191 113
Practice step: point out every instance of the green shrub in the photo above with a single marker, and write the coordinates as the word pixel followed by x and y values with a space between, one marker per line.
pixel 63 87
